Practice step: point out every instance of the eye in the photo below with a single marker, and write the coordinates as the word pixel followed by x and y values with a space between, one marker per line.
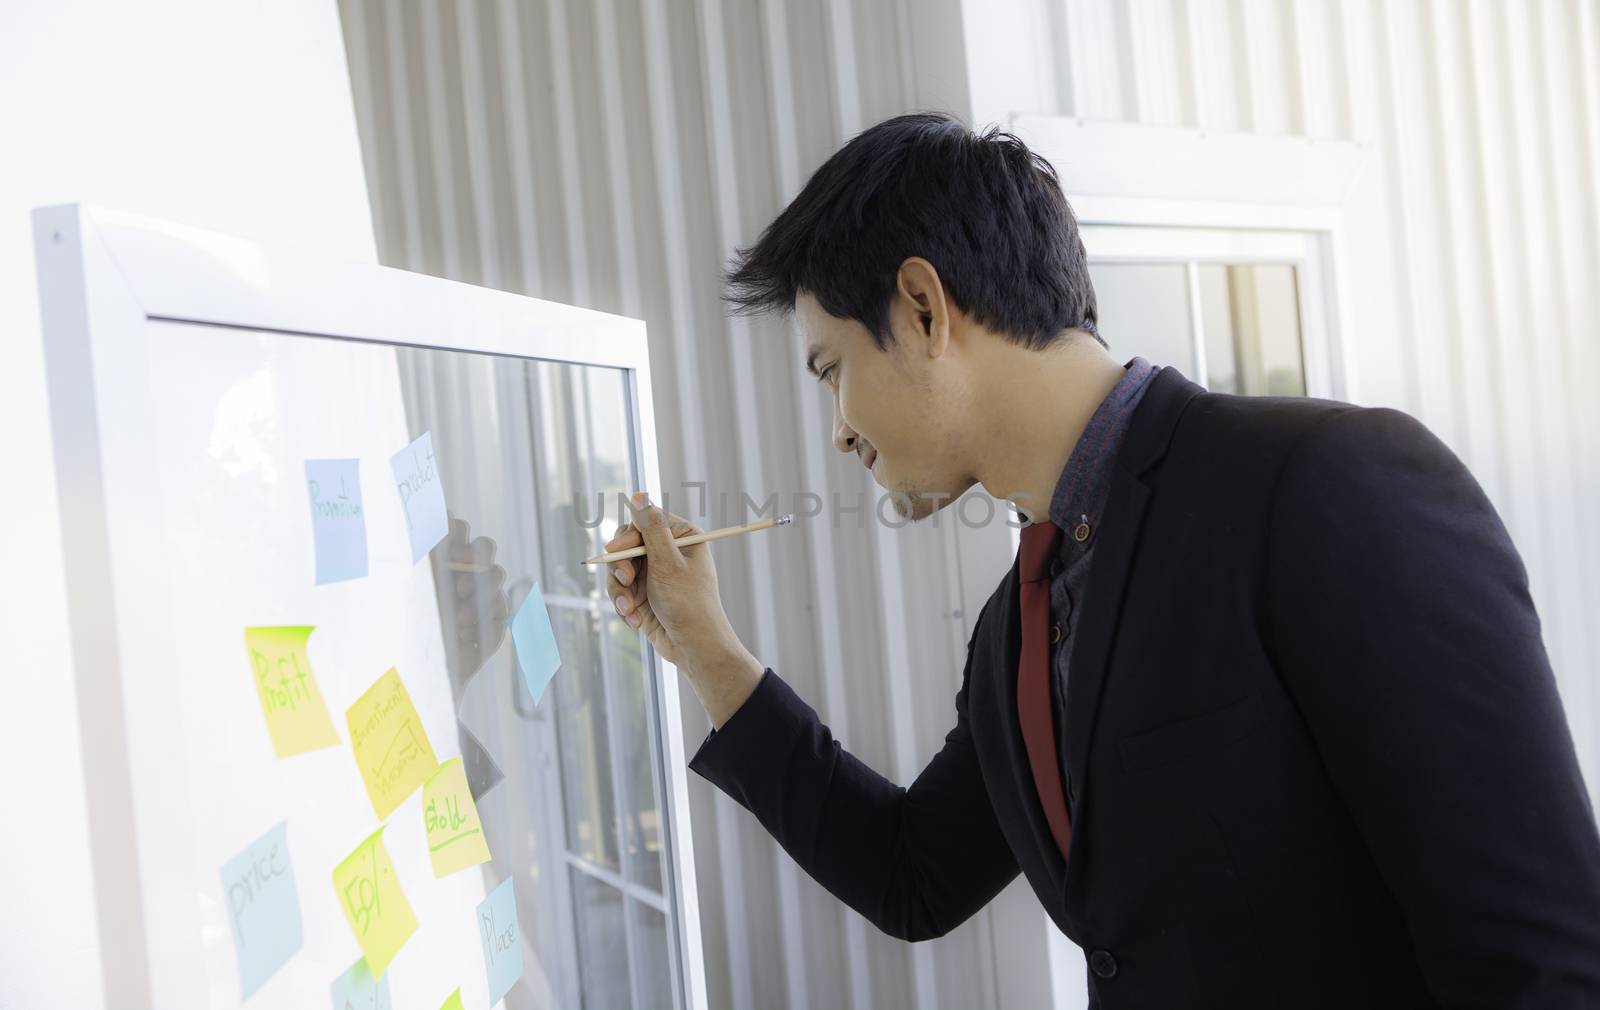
pixel 826 375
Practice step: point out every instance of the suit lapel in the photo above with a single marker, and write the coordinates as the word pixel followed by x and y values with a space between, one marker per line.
pixel 1149 433
pixel 1145 443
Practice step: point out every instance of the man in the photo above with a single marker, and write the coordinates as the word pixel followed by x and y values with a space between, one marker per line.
pixel 1261 712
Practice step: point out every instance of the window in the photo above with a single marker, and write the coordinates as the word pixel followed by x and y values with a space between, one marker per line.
pixel 582 793
pixel 1228 308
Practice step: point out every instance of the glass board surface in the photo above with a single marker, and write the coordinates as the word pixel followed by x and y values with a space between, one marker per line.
pixel 569 789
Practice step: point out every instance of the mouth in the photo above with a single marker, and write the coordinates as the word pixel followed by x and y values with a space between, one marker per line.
pixel 871 460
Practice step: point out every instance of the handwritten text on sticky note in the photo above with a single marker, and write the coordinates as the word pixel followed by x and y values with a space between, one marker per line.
pixel 455 835
pixel 368 889
pixel 263 908
pixel 297 717
pixel 421 487
pixel 390 745
pixel 338 522
pixel 356 989
pixel 502 940
pixel 535 642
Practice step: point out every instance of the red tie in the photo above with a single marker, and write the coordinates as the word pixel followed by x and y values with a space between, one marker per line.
pixel 1039 541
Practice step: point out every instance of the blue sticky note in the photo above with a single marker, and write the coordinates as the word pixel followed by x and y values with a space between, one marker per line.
pixel 421 487
pixel 357 990
pixel 263 908
pixel 502 940
pixel 535 641
pixel 338 523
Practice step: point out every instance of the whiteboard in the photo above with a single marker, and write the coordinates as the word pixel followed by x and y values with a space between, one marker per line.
pixel 191 377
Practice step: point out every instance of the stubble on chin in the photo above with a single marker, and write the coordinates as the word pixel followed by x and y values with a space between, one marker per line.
pixel 915 505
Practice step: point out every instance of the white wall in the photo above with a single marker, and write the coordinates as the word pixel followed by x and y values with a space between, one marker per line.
pixel 228 114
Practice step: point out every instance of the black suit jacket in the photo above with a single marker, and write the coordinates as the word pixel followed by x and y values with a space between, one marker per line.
pixel 1319 754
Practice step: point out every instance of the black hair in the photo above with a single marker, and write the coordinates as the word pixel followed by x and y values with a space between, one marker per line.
pixel 987 212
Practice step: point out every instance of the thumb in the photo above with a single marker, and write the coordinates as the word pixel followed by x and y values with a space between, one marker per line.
pixel 653 526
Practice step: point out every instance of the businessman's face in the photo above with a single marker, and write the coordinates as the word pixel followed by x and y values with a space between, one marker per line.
pixel 901 409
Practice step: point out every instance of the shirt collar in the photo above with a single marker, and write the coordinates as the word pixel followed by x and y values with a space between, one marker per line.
pixel 1080 493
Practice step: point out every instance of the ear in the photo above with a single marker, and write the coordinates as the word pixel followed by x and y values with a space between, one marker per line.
pixel 922 299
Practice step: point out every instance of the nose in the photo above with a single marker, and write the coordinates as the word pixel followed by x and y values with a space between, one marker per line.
pixel 844 436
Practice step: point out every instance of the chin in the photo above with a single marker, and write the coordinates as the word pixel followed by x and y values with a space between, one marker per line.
pixel 918 505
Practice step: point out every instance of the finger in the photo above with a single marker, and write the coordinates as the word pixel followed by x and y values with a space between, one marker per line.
pixel 615 589
pixel 626 536
pixel 457 547
pixel 652 523
pixel 482 551
pixel 621 598
pixel 680 526
pixel 623 570
pixel 481 584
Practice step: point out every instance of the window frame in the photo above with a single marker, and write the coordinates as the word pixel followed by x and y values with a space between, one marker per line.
pixel 1192 247
pixel 104 276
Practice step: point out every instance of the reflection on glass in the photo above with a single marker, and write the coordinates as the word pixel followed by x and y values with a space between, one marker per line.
pixel 1249 317
pixel 568 789
pixel 584 729
pixel 603 947
pixel 1144 312
pixel 640 828
pixel 652 972
pixel 1252 326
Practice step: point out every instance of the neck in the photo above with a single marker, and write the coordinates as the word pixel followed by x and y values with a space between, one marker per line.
pixel 1036 407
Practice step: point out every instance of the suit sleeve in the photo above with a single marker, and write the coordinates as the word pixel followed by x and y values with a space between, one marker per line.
pixel 915 862
pixel 1403 627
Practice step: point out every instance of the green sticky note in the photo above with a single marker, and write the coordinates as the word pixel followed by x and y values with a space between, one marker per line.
pixel 297 717
pixel 450 818
pixel 390 745
pixel 369 891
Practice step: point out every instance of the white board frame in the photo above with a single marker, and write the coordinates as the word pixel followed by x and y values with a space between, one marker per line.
pixel 103 274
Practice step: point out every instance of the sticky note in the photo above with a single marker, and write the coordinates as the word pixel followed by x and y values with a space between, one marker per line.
pixel 535 642
pixel 368 889
pixel 263 907
pixel 455 835
pixel 421 487
pixel 338 523
pixel 356 989
pixel 454 1002
pixel 297 717
pixel 502 940
pixel 390 745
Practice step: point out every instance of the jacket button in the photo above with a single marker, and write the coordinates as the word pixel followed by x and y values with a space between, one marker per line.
pixel 1055 633
pixel 1102 963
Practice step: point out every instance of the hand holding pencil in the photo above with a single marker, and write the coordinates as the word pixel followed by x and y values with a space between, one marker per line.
pixel 663 581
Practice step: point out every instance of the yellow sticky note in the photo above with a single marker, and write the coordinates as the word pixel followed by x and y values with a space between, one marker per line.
pixel 369 891
pixel 455 835
pixel 297 717
pixel 390 745
pixel 454 1002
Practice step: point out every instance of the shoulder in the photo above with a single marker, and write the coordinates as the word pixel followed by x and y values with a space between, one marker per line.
pixel 1375 451
pixel 1377 483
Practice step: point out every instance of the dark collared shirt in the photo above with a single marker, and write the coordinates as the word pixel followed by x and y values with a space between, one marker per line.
pixel 1078 507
